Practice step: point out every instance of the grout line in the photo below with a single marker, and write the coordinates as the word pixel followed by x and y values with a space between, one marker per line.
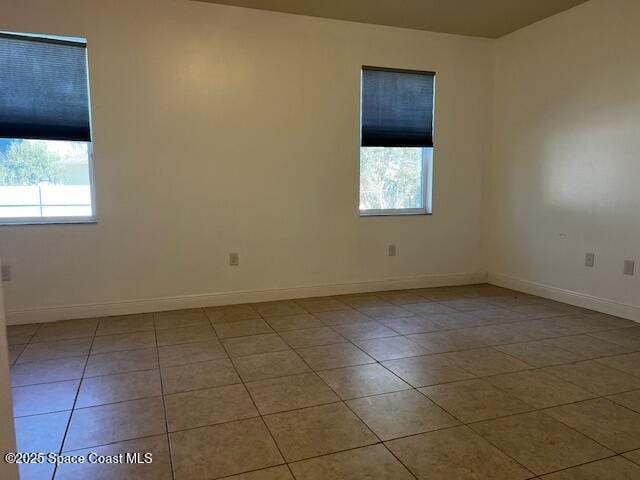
pixel 75 400
pixel 164 406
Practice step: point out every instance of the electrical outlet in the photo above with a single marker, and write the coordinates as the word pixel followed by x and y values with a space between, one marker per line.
pixel 392 250
pixel 6 273
pixel 629 267
pixel 589 259
pixel 234 259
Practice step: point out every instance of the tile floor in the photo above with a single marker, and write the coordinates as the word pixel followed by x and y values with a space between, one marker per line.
pixel 474 382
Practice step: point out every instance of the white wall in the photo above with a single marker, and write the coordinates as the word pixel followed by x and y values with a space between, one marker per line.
pixel 250 121
pixel 7 429
pixel 565 169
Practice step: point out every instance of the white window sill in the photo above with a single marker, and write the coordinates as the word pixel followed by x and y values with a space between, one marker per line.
pixel 8 222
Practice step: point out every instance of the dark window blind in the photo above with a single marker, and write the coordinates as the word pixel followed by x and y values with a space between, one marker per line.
pixel 397 108
pixel 43 89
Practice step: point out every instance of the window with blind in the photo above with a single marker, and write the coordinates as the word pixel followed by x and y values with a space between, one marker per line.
pixel 396 141
pixel 45 130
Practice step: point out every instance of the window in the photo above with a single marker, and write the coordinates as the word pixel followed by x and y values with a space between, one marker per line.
pixel 45 135
pixel 396 142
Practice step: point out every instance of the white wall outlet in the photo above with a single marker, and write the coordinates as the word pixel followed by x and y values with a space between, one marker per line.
pixel 629 267
pixel 589 259
pixel 393 251
pixel 6 273
pixel 234 259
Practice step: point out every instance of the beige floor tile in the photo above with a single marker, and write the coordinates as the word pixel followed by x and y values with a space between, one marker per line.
pixel 539 389
pixel 391 348
pixel 208 407
pixel 269 365
pixel 194 376
pixel 117 388
pixel 44 398
pixel 474 400
pixel 28 329
pixel 496 334
pixel 357 300
pixel 317 431
pixel 364 330
pixel 615 427
pixel 427 370
pixel 363 380
pixel 467 304
pixel 401 298
pixel 616 468
pixel 121 362
pixel 429 308
pixel 447 341
pixel 125 324
pixel 90 427
pixel 457 320
pixel 176 336
pixel 273 473
pixel 627 337
pixel 540 443
pixel 183 354
pixel 634 456
pixel 242 328
pixel 579 324
pixel 385 312
pixel 222 450
pixel 278 308
pixel 254 344
pixel 629 363
pixel 293 322
pixel 596 377
pixel 324 357
pixel 342 317
pixel 40 433
pixel 536 311
pixel 496 315
pixel 538 354
pixel 54 332
pixel 14 352
pixel 37 352
pixel 180 318
pixel 316 305
pixel 123 341
pixel 412 325
pixel 366 463
pixel 455 453
pixel 400 414
pixel 587 347
pixel 158 469
pixel 486 361
pixel 631 400
pixel 234 313
pixel 541 329
pixel 310 337
pixel 288 393
pixel 70 368
pixel 18 338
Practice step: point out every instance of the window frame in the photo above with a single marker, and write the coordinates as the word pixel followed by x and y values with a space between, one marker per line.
pixel 427 188
pixel 427 160
pixel 71 220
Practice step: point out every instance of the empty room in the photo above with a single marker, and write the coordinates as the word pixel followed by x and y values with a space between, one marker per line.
pixel 319 240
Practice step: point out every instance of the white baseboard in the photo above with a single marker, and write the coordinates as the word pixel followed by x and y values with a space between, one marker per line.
pixel 578 299
pixel 68 312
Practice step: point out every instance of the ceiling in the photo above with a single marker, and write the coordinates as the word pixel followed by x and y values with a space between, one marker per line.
pixel 482 18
